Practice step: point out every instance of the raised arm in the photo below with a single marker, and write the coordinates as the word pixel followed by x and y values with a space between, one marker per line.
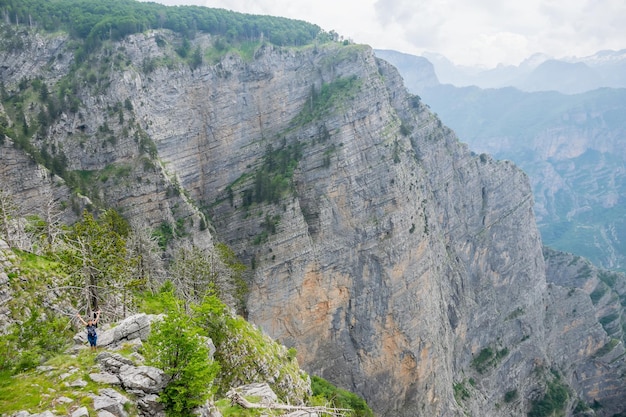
pixel 97 317
pixel 81 319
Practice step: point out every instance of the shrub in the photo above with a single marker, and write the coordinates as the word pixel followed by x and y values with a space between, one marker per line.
pixel 488 358
pixel 176 347
pixel 27 345
pixel 510 396
pixel 553 401
pixel 325 392
pixel 460 392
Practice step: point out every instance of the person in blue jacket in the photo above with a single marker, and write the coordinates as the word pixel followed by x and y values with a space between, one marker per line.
pixel 91 325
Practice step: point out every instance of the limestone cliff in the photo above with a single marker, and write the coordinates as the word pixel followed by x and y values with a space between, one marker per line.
pixel 398 263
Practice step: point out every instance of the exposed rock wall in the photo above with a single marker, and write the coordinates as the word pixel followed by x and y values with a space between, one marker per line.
pixel 394 257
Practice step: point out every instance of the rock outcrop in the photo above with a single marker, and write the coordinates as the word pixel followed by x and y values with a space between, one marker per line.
pixel 399 264
pixel 133 329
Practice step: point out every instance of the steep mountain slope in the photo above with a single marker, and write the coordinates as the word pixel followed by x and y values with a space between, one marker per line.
pixel 398 263
pixel 571 146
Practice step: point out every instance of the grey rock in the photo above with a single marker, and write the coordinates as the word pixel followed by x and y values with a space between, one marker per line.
pixel 106 413
pixel 105 403
pixel 137 358
pixel 79 383
pixel 131 330
pixel 146 379
pixel 64 400
pixel 114 395
pixel 133 327
pixel 150 406
pixel 209 409
pixel 105 378
pixel 134 344
pixel 113 362
pixel 80 412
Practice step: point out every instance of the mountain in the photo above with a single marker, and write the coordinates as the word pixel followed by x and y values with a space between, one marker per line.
pixel 571 146
pixel 570 78
pixel 422 73
pixel 399 264
pixel 539 72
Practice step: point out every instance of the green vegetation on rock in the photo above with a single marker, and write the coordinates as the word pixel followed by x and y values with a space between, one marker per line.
pixel 324 392
pixel 553 401
pixel 488 358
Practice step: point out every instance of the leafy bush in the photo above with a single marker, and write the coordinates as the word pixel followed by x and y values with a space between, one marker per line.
pixel 246 355
pixel 30 343
pixel 325 392
pixel 176 346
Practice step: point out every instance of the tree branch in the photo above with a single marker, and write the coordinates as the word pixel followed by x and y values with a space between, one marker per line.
pixel 237 398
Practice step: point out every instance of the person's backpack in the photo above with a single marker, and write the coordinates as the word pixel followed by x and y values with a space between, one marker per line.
pixel 91 331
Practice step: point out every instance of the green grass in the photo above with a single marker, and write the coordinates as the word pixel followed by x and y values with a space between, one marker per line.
pixel 37 391
pixel 232 410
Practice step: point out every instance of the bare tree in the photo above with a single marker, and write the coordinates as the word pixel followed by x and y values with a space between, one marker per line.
pixel 195 271
pixel 144 248
pixel 10 225
pixel 192 272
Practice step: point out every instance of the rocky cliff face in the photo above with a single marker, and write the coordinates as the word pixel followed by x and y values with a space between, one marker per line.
pixel 399 264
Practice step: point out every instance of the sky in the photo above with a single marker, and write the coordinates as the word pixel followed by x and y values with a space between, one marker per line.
pixel 482 33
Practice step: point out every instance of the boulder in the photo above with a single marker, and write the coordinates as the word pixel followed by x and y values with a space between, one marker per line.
pixel 128 330
pixel 112 362
pixel 142 379
pixel 149 405
pixel 79 383
pixel 111 401
pixel 105 378
pixel 133 327
pixel 81 412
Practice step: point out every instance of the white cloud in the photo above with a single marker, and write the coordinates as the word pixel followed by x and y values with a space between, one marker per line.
pixel 470 32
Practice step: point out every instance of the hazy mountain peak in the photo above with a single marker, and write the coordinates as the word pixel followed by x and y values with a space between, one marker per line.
pixel 534 61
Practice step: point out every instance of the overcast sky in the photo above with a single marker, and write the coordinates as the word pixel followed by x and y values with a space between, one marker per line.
pixel 468 32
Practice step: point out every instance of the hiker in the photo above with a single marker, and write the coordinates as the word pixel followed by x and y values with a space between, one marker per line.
pixel 91 325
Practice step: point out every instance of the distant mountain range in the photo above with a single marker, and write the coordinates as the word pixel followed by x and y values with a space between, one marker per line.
pixel 539 72
pixel 572 146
